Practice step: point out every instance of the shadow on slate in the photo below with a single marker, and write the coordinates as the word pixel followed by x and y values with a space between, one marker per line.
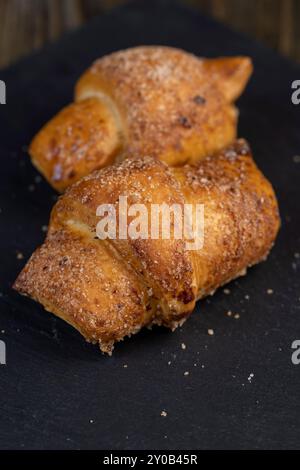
pixel 59 392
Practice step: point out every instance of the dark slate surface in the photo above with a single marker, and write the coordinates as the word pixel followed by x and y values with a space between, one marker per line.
pixel 59 392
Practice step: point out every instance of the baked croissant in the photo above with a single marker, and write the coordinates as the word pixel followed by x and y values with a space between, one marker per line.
pixel 154 100
pixel 109 289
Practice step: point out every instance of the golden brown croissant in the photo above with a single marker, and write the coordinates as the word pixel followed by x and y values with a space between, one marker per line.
pixel 109 289
pixel 146 100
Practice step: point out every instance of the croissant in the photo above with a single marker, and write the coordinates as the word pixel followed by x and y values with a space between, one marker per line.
pixel 153 100
pixel 111 288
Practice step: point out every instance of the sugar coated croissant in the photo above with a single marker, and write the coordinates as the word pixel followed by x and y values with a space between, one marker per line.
pixel 151 100
pixel 111 288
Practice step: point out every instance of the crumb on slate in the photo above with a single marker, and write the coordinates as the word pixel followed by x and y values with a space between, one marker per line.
pixel 210 331
pixel 38 179
pixel 163 413
pixel 183 346
pixel 250 377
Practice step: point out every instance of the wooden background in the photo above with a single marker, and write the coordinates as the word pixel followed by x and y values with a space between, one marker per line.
pixel 26 25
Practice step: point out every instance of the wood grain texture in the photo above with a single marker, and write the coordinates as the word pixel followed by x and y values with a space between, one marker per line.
pixel 26 25
pixel 54 383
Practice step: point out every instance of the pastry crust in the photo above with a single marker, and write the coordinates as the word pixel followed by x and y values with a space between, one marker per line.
pixel 109 289
pixel 149 100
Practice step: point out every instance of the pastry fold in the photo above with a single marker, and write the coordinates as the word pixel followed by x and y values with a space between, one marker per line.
pixel 151 100
pixel 109 289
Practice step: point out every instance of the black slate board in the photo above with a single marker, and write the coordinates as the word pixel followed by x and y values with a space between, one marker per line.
pixel 59 392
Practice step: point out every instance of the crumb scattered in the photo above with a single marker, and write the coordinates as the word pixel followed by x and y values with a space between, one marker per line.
pixel 270 291
pixel 226 291
pixel 91 421
pixel 202 366
pixel 31 188
pixel 294 266
pixel 296 158
pixel 169 363
pixel 3 331
pixel 195 365
pixel 237 316
pixel 38 179
pixel 229 313
pixel 186 372
pixel 44 228
pixel 250 377
pixel 183 346
pixel 297 255
pixel 163 413
pixel 125 366
pixel 20 255
pixel 210 331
